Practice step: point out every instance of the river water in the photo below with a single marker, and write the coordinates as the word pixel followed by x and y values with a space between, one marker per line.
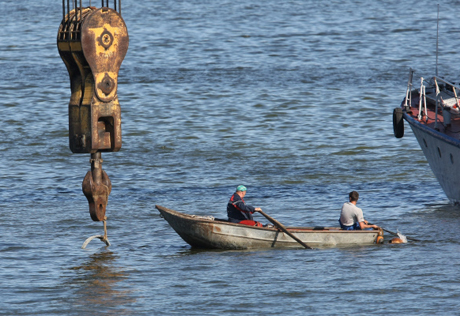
pixel 291 98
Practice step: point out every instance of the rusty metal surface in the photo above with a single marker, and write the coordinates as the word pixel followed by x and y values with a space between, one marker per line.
pixel 105 41
pixel 96 187
pixel 92 43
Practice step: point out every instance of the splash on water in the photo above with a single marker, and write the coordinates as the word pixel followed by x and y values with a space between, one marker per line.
pixel 402 237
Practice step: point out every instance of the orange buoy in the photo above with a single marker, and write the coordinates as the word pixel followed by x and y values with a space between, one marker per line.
pixel 396 240
pixel 379 240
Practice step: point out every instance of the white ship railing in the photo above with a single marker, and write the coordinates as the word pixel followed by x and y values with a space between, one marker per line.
pixel 433 82
pixel 422 99
pixel 439 97
pixel 453 85
pixel 409 88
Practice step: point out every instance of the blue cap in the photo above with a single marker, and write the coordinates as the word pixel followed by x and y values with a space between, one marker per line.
pixel 240 188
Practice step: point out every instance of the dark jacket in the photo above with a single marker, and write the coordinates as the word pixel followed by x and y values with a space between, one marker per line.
pixel 237 210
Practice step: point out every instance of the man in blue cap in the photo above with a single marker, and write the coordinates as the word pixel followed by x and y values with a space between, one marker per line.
pixel 238 211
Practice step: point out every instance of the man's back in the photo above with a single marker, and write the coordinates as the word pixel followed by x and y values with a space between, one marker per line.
pixel 351 214
pixel 237 210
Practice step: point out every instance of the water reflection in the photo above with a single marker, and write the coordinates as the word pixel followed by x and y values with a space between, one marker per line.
pixel 97 288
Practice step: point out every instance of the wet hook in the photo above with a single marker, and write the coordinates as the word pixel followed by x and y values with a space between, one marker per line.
pixel 103 238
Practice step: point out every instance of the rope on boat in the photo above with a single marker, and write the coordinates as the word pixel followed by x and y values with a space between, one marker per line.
pixel 211 218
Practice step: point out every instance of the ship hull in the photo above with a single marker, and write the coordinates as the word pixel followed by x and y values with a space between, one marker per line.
pixel 443 155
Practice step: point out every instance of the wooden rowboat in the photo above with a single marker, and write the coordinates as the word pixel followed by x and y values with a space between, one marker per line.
pixel 211 233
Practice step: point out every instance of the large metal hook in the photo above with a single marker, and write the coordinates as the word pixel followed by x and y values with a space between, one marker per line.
pixel 103 238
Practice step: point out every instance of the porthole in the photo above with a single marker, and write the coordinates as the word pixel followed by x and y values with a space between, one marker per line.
pixel 424 141
pixel 439 152
pixel 451 159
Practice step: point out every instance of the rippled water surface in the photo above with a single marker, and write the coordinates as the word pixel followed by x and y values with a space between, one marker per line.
pixel 291 98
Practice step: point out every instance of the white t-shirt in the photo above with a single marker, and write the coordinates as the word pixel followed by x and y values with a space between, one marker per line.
pixel 351 214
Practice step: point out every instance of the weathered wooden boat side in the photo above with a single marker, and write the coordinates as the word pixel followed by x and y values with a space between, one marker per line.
pixel 203 232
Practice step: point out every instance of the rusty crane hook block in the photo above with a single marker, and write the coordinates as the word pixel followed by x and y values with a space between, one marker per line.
pixel 93 42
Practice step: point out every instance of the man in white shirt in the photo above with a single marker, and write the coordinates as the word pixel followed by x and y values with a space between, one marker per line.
pixel 351 216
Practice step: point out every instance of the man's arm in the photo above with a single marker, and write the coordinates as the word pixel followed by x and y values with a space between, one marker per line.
pixel 244 207
pixel 364 225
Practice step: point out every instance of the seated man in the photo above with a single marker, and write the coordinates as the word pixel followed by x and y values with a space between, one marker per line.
pixel 351 217
pixel 238 211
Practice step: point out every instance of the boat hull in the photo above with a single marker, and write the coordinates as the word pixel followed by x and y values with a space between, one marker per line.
pixel 200 232
pixel 443 155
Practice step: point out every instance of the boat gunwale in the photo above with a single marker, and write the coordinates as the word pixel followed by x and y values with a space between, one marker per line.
pixel 437 134
pixel 296 229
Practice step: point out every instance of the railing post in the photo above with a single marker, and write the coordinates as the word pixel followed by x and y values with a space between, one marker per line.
pixel 437 102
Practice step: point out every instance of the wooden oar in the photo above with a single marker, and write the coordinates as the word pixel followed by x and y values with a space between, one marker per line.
pixel 396 234
pixel 281 226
